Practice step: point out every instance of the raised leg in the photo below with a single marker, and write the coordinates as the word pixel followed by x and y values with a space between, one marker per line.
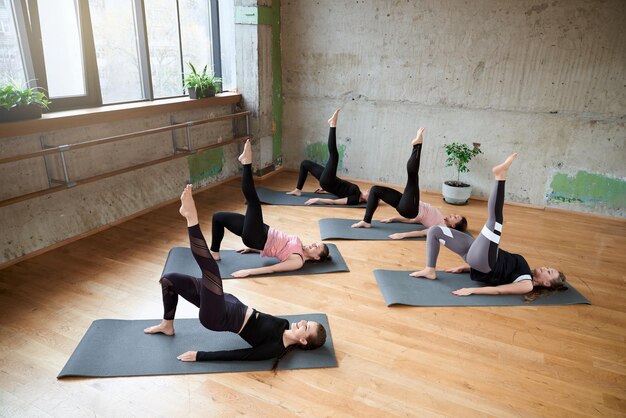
pixel 483 254
pixel 409 203
pixel 254 233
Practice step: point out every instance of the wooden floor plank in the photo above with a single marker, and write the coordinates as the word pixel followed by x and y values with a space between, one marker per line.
pixel 401 361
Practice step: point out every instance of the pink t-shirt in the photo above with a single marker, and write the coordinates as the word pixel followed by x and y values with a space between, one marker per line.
pixel 429 215
pixel 281 245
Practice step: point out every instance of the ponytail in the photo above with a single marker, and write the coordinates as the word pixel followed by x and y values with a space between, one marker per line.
pixel 314 342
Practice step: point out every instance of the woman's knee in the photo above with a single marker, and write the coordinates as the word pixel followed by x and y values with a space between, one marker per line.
pixel 377 191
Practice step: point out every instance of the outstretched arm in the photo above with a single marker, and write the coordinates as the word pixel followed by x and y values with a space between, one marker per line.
pixel 518 288
pixel 320 201
pixel 411 234
pixel 294 262
pixel 400 219
pixel 247 250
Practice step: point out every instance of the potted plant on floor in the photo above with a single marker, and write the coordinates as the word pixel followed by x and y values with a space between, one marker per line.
pixel 459 155
pixel 201 85
pixel 19 103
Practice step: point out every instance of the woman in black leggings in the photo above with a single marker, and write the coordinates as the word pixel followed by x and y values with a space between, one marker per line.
pixel 347 193
pixel 258 236
pixel 505 273
pixel 408 203
pixel 269 336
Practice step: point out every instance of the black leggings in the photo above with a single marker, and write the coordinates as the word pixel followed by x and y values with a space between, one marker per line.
pixel 326 175
pixel 250 228
pixel 406 203
pixel 219 311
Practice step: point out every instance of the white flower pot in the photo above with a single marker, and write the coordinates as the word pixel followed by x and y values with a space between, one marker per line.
pixel 456 195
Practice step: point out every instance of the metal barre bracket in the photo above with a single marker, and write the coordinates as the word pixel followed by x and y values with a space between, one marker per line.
pixel 51 180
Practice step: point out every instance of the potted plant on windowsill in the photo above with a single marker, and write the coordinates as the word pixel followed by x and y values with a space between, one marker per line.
pixel 459 155
pixel 21 103
pixel 201 85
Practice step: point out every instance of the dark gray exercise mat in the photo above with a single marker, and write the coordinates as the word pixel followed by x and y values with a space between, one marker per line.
pixel 180 260
pixel 336 228
pixel 113 348
pixel 398 288
pixel 275 197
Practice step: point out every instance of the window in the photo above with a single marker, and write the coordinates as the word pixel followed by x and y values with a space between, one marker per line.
pixel 11 65
pixel 94 52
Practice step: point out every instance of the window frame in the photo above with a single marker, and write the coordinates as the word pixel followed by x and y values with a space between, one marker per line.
pixel 29 33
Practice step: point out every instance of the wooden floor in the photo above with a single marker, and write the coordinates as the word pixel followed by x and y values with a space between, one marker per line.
pixel 403 361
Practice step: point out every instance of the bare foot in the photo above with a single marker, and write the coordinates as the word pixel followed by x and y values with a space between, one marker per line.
pixel 333 119
pixel 419 138
pixel 215 255
pixel 246 156
pixel 428 273
pixel 295 192
pixel 165 327
pixel 500 171
pixel 188 207
pixel 361 224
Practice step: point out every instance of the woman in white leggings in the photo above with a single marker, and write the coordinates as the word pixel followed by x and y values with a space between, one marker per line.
pixel 505 273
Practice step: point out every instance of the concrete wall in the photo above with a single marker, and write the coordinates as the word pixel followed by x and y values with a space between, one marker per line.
pixel 40 222
pixel 544 78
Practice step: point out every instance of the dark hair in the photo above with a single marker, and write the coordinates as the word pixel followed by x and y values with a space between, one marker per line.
pixel 324 255
pixel 314 341
pixel 556 285
pixel 461 225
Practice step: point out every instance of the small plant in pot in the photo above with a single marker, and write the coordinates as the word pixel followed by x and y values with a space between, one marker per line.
pixel 19 102
pixel 456 192
pixel 201 84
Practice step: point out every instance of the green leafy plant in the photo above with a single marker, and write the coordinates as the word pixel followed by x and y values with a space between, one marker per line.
pixel 459 155
pixel 13 95
pixel 202 82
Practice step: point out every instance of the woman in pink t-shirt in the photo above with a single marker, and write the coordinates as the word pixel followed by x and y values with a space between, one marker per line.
pixel 408 204
pixel 258 236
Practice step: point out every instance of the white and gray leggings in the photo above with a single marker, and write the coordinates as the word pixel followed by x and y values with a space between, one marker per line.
pixel 480 253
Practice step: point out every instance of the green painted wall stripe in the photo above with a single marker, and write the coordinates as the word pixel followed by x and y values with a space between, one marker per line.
pixel 266 16
pixel 277 86
pixel 589 189
pixel 205 164
pixel 318 153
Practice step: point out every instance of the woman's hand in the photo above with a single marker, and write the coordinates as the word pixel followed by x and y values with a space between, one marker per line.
pixel 456 270
pixel 397 235
pixel 388 220
pixel 245 250
pixel 241 273
pixel 312 201
pixel 466 291
pixel 188 356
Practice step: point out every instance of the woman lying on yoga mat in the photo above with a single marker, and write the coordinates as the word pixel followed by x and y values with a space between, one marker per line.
pixel 348 193
pixel 506 273
pixel 259 237
pixel 408 203
pixel 269 336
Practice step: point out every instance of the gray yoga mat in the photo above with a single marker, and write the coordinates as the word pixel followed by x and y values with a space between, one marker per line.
pixel 336 228
pixel 112 348
pixel 180 260
pixel 398 288
pixel 275 197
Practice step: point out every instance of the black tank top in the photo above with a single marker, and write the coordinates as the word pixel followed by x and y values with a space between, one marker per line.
pixel 263 332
